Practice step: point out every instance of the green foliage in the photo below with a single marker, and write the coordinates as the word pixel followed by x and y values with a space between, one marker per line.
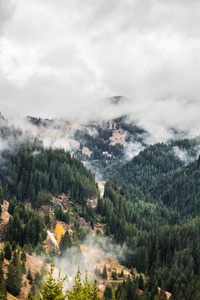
pixel 33 292
pixel 79 231
pixel 53 289
pixel 141 282
pixel 7 251
pixel 132 272
pixel 159 171
pixel 155 238
pixel 23 255
pixel 151 164
pixel 37 279
pixel 108 293
pixel 47 220
pixel 29 276
pixel 83 291
pixel 1 195
pixel 128 290
pixel 61 215
pixel 121 274
pixel 98 232
pixel 3 291
pixel 26 227
pixel 97 271
pixel 65 242
pixel 1 256
pixel 14 276
pixel 23 267
pixel 104 272
pixel 37 173
pixel 114 275
pixel 180 191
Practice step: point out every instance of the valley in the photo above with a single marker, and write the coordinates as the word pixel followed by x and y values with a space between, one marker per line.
pixel 72 195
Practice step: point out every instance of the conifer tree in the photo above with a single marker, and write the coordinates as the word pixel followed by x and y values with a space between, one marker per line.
pixel 1 195
pixel 23 267
pixel 114 275
pixel 85 291
pixel 29 276
pixel 7 251
pixel 32 293
pixel 65 242
pixel 23 255
pixel 3 291
pixel 108 293
pixel 1 255
pixel 104 272
pixel 52 289
pixel 14 276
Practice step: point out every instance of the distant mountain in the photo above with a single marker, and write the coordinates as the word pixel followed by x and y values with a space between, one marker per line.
pixel 97 144
pixel 117 100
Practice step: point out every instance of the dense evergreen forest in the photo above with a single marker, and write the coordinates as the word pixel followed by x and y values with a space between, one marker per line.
pixel 34 173
pixel 159 171
pixel 151 205
pixel 160 247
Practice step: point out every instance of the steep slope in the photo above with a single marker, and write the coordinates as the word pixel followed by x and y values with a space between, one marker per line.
pixel 148 166
pixel 34 173
pixel 98 144
pixel 151 164
pixel 180 190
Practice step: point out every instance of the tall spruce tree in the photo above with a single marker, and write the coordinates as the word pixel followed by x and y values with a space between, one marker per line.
pixel 3 291
pixel 14 276
pixel 7 251
pixel 65 242
pixel 52 289
pixel 104 272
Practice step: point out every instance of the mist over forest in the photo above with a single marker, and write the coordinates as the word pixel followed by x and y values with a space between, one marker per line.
pixel 99 150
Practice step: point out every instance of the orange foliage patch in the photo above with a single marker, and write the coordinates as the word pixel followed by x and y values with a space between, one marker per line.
pixel 59 231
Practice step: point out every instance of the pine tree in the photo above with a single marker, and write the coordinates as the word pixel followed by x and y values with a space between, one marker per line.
pixel 7 251
pixel 3 291
pixel 52 289
pixel 85 291
pixel 1 255
pixel 65 242
pixel 104 272
pixel 23 267
pixel 32 293
pixel 37 279
pixel 23 255
pixel 114 275
pixel 14 276
pixel 108 293
pixel 29 276
pixel 1 195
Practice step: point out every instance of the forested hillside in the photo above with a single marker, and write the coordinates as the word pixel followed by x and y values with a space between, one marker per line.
pixel 180 190
pixel 148 166
pixel 34 174
pixel 99 144
pixel 160 171
pixel 151 164
pixel 149 211
pixel 158 244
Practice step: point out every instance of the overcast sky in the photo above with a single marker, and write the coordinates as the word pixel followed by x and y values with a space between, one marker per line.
pixel 60 58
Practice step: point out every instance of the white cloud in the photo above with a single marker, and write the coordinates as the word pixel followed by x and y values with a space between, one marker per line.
pixel 58 58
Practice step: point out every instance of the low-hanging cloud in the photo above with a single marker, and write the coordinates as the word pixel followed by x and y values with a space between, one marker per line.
pixel 64 59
